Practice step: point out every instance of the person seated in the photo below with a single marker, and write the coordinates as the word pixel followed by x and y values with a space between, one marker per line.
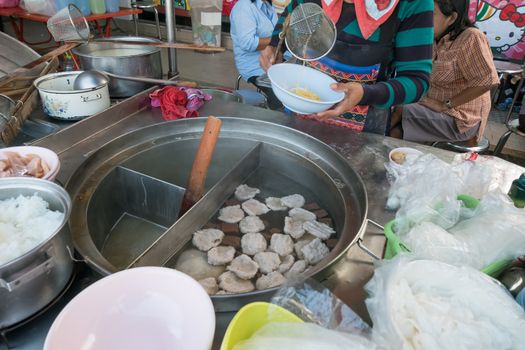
pixel 251 28
pixel 458 101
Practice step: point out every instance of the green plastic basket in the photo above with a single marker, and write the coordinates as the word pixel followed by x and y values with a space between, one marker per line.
pixel 395 246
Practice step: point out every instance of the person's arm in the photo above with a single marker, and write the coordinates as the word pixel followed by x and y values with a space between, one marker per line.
pixel 412 62
pixel 412 58
pixel 243 27
pixel 263 42
pixel 266 59
pixel 463 97
pixel 475 62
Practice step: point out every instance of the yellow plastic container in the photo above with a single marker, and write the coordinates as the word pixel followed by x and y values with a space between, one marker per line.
pixel 251 318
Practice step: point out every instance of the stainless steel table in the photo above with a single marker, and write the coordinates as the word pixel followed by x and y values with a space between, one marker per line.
pixel 365 152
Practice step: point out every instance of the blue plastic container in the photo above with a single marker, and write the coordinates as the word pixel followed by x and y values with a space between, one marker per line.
pixel 60 4
pixel 112 6
pixel 84 7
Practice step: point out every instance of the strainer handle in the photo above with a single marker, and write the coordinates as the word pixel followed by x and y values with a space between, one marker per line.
pixel 282 34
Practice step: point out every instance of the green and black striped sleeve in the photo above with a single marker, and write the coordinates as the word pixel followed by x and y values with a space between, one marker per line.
pixel 412 57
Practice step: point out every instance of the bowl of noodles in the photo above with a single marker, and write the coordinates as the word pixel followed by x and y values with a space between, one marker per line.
pixel 303 90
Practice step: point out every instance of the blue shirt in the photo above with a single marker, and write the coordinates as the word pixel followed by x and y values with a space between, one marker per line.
pixel 250 21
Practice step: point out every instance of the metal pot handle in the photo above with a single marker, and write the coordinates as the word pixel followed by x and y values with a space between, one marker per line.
pixel 28 276
pixel 360 240
pixel 89 99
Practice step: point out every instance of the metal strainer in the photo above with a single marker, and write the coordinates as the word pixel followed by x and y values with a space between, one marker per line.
pixel 310 34
pixel 69 24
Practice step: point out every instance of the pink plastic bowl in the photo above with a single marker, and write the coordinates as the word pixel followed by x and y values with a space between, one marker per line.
pixel 141 308
pixel 47 155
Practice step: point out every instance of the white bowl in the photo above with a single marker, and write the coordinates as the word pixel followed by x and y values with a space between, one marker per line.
pixel 47 155
pixel 141 308
pixel 286 76
pixel 405 150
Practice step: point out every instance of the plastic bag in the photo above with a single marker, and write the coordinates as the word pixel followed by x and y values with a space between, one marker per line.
pixel 206 21
pixel 426 192
pixel 430 305
pixel 494 232
pixel 314 303
pixel 303 336
pixel 484 174
pixel 40 7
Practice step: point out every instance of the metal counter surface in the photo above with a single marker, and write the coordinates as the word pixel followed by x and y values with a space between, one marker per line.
pixel 366 153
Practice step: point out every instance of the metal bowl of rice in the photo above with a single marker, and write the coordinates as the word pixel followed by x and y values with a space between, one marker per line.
pixel 35 246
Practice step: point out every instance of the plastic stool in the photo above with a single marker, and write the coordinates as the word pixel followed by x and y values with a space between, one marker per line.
pixel 463 146
pixel 253 98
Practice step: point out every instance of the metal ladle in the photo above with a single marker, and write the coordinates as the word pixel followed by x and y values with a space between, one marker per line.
pixel 94 78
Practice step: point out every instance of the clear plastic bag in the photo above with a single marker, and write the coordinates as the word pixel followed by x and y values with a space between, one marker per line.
pixel 316 304
pixel 206 21
pixel 40 7
pixel 329 324
pixel 426 192
pixel 430 305
pixel 483 174
pixel 495 232
pixel 303 336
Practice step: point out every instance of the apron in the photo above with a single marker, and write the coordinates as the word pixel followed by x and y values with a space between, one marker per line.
pixel 365 64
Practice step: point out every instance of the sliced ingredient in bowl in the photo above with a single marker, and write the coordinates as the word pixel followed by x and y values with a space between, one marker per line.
pixel 15 164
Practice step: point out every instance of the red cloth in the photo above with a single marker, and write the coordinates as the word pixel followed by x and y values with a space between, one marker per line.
pixel 333 10
pixel 172 102
pixel 367 24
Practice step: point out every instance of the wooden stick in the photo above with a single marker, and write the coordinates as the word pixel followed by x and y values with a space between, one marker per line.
pixel 282 34
pixel 47 57
pixel 164 44
pixel 199 170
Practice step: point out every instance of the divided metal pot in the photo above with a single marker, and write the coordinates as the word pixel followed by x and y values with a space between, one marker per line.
pixel 126 195
pixel 122 59
pixel 33 280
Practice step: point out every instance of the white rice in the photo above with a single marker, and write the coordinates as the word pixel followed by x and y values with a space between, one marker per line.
pixel 25 222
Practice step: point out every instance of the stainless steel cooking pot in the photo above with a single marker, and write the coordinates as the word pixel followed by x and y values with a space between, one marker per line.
pixel 122 59
pixel 30 282
pixel 127 194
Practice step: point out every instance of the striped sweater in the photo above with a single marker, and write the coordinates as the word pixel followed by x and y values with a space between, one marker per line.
pixel 412 56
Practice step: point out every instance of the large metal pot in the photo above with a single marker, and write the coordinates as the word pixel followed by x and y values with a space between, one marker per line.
pixel 136 181
pixel 122 59
pixel 33 280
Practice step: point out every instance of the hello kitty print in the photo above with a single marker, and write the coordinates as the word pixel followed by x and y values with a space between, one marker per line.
pixel 504 24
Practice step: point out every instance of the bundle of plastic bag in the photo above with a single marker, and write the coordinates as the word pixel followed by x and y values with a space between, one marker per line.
pixel 303 336
pixel 430 305
pixel 314 303
pixel 496 231
pixel 427 192
pixel 483 174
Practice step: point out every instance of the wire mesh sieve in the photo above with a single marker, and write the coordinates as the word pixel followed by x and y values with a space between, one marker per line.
pixel 311 34
pixel 68 24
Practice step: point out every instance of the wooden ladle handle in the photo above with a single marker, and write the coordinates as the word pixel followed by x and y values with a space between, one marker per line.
pixel 199 170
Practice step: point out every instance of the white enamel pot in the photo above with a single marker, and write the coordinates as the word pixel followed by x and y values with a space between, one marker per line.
pixel 61 101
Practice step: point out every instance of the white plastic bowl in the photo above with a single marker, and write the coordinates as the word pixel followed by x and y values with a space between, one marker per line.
pixel 405 150
pixel 286 76
pixel 47 155
pixel 141 308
